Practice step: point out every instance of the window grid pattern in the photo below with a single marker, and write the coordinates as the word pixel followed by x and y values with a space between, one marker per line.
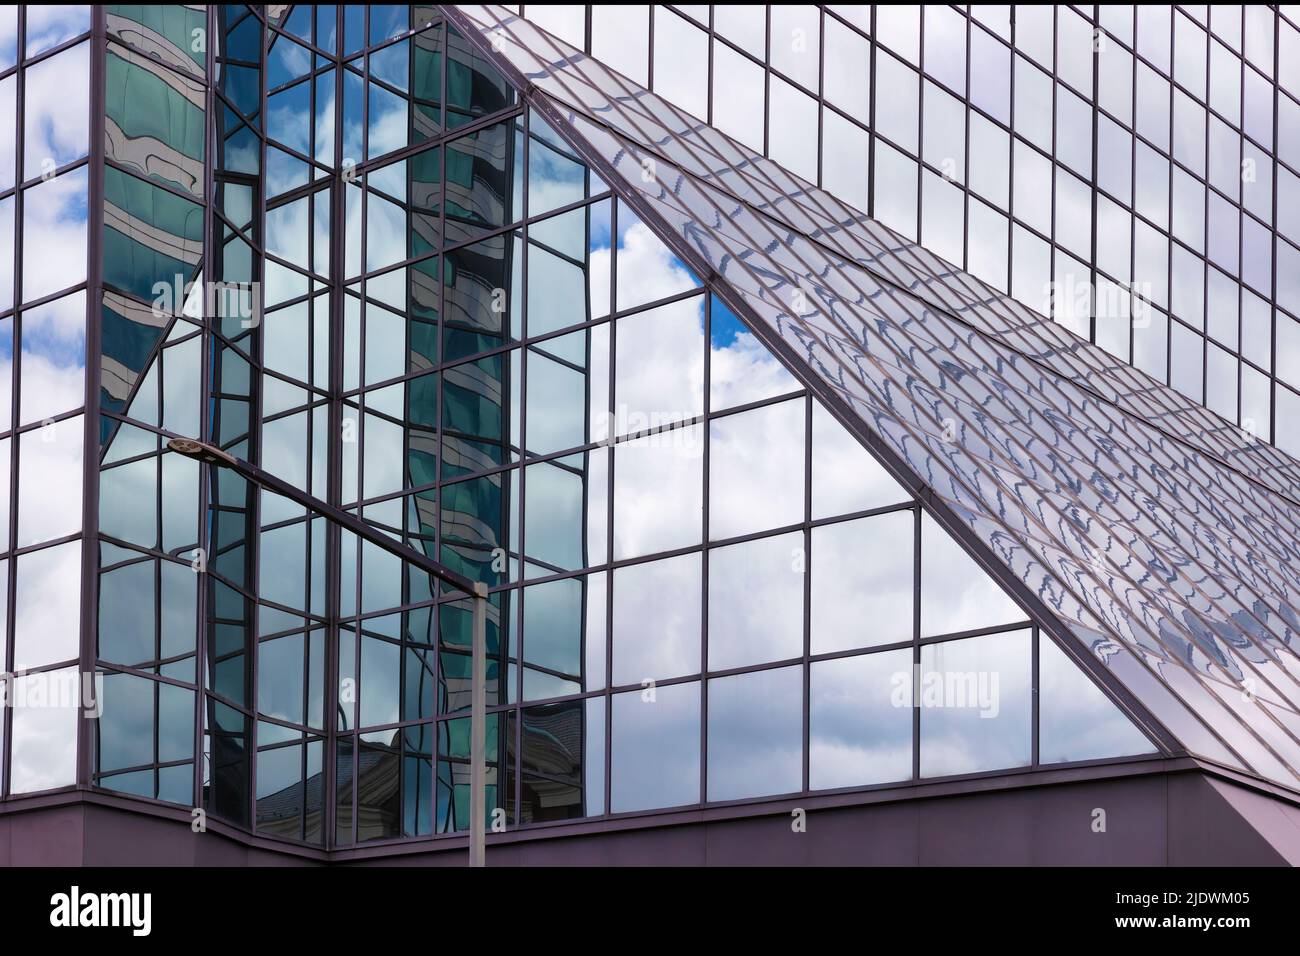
pixel 1128 171
pixel 151 351
pixel 465 337
pixel 45 109
pixel 828 329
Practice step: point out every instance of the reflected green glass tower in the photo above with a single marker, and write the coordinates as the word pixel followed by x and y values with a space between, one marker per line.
pixel 778 504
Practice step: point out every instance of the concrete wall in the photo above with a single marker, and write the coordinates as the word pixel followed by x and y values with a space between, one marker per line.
pixel 1159 819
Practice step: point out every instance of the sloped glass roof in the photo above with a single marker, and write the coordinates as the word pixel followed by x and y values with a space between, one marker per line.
pixel 1159 537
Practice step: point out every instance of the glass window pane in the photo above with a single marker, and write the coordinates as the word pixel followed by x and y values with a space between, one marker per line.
pixel 756 469
pixel 975 704
pixel 860 720
pixel 659 492
pixel 47 606
pixel 656 748
pixel 845 476
pixel 956 594
pixel 681 60
pixel 56 103
pixel 1076 720
pixel 43 748
pixel 756 601
pixel 741 369
pixel 49 481
pixel 755 734
pixel 53 365
pixel 48 26
pixel 657 620
pixel 862 585
pixel 54 235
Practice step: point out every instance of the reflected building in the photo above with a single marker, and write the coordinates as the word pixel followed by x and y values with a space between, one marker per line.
pixel 795 479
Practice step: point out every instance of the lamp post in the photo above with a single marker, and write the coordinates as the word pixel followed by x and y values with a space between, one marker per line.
pixel 212 455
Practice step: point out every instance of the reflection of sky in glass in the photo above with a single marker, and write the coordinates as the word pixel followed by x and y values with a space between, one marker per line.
pixel 54 235
pixel 7 253
pixel 43 750
pixel 657 620
pixel 956 594
pixel 8 35
pixel 656 747
pixel 8 132
pixel 48 26
pixel 860 723
pixel 1076 720
pixel 751 492
pixel 756 602
pixel 53 364
pixel 755 734
pixel 49 481
pixel 981 720
pixel 47 606
pixel 56 102
pixel 862 582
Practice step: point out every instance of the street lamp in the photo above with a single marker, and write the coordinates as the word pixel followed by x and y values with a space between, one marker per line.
pixel 212 455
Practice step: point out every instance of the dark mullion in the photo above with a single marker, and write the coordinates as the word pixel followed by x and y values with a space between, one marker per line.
pixel 920 122
pixel 1035 685
pixel 1095 62
pixel 205 493
pixel 1274 379
pixel 917 598
pixel 1130 201
pixel 519 355
pixel 1012 139
pixel 611 464
pixel 706 555
pixel 11 545
pixel 806 591
pixel 438 432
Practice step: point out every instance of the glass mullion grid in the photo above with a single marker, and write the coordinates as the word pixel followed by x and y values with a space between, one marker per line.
pixel 888 278
pixel 216 222
pixel 313 527
pixel 607 692
pixel 338 237
pixel 1013 100
pixel 14 315
pixel 1096 110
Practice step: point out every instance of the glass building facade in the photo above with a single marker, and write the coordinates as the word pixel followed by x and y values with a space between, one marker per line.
pixel 1131 171
pixel 833 400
